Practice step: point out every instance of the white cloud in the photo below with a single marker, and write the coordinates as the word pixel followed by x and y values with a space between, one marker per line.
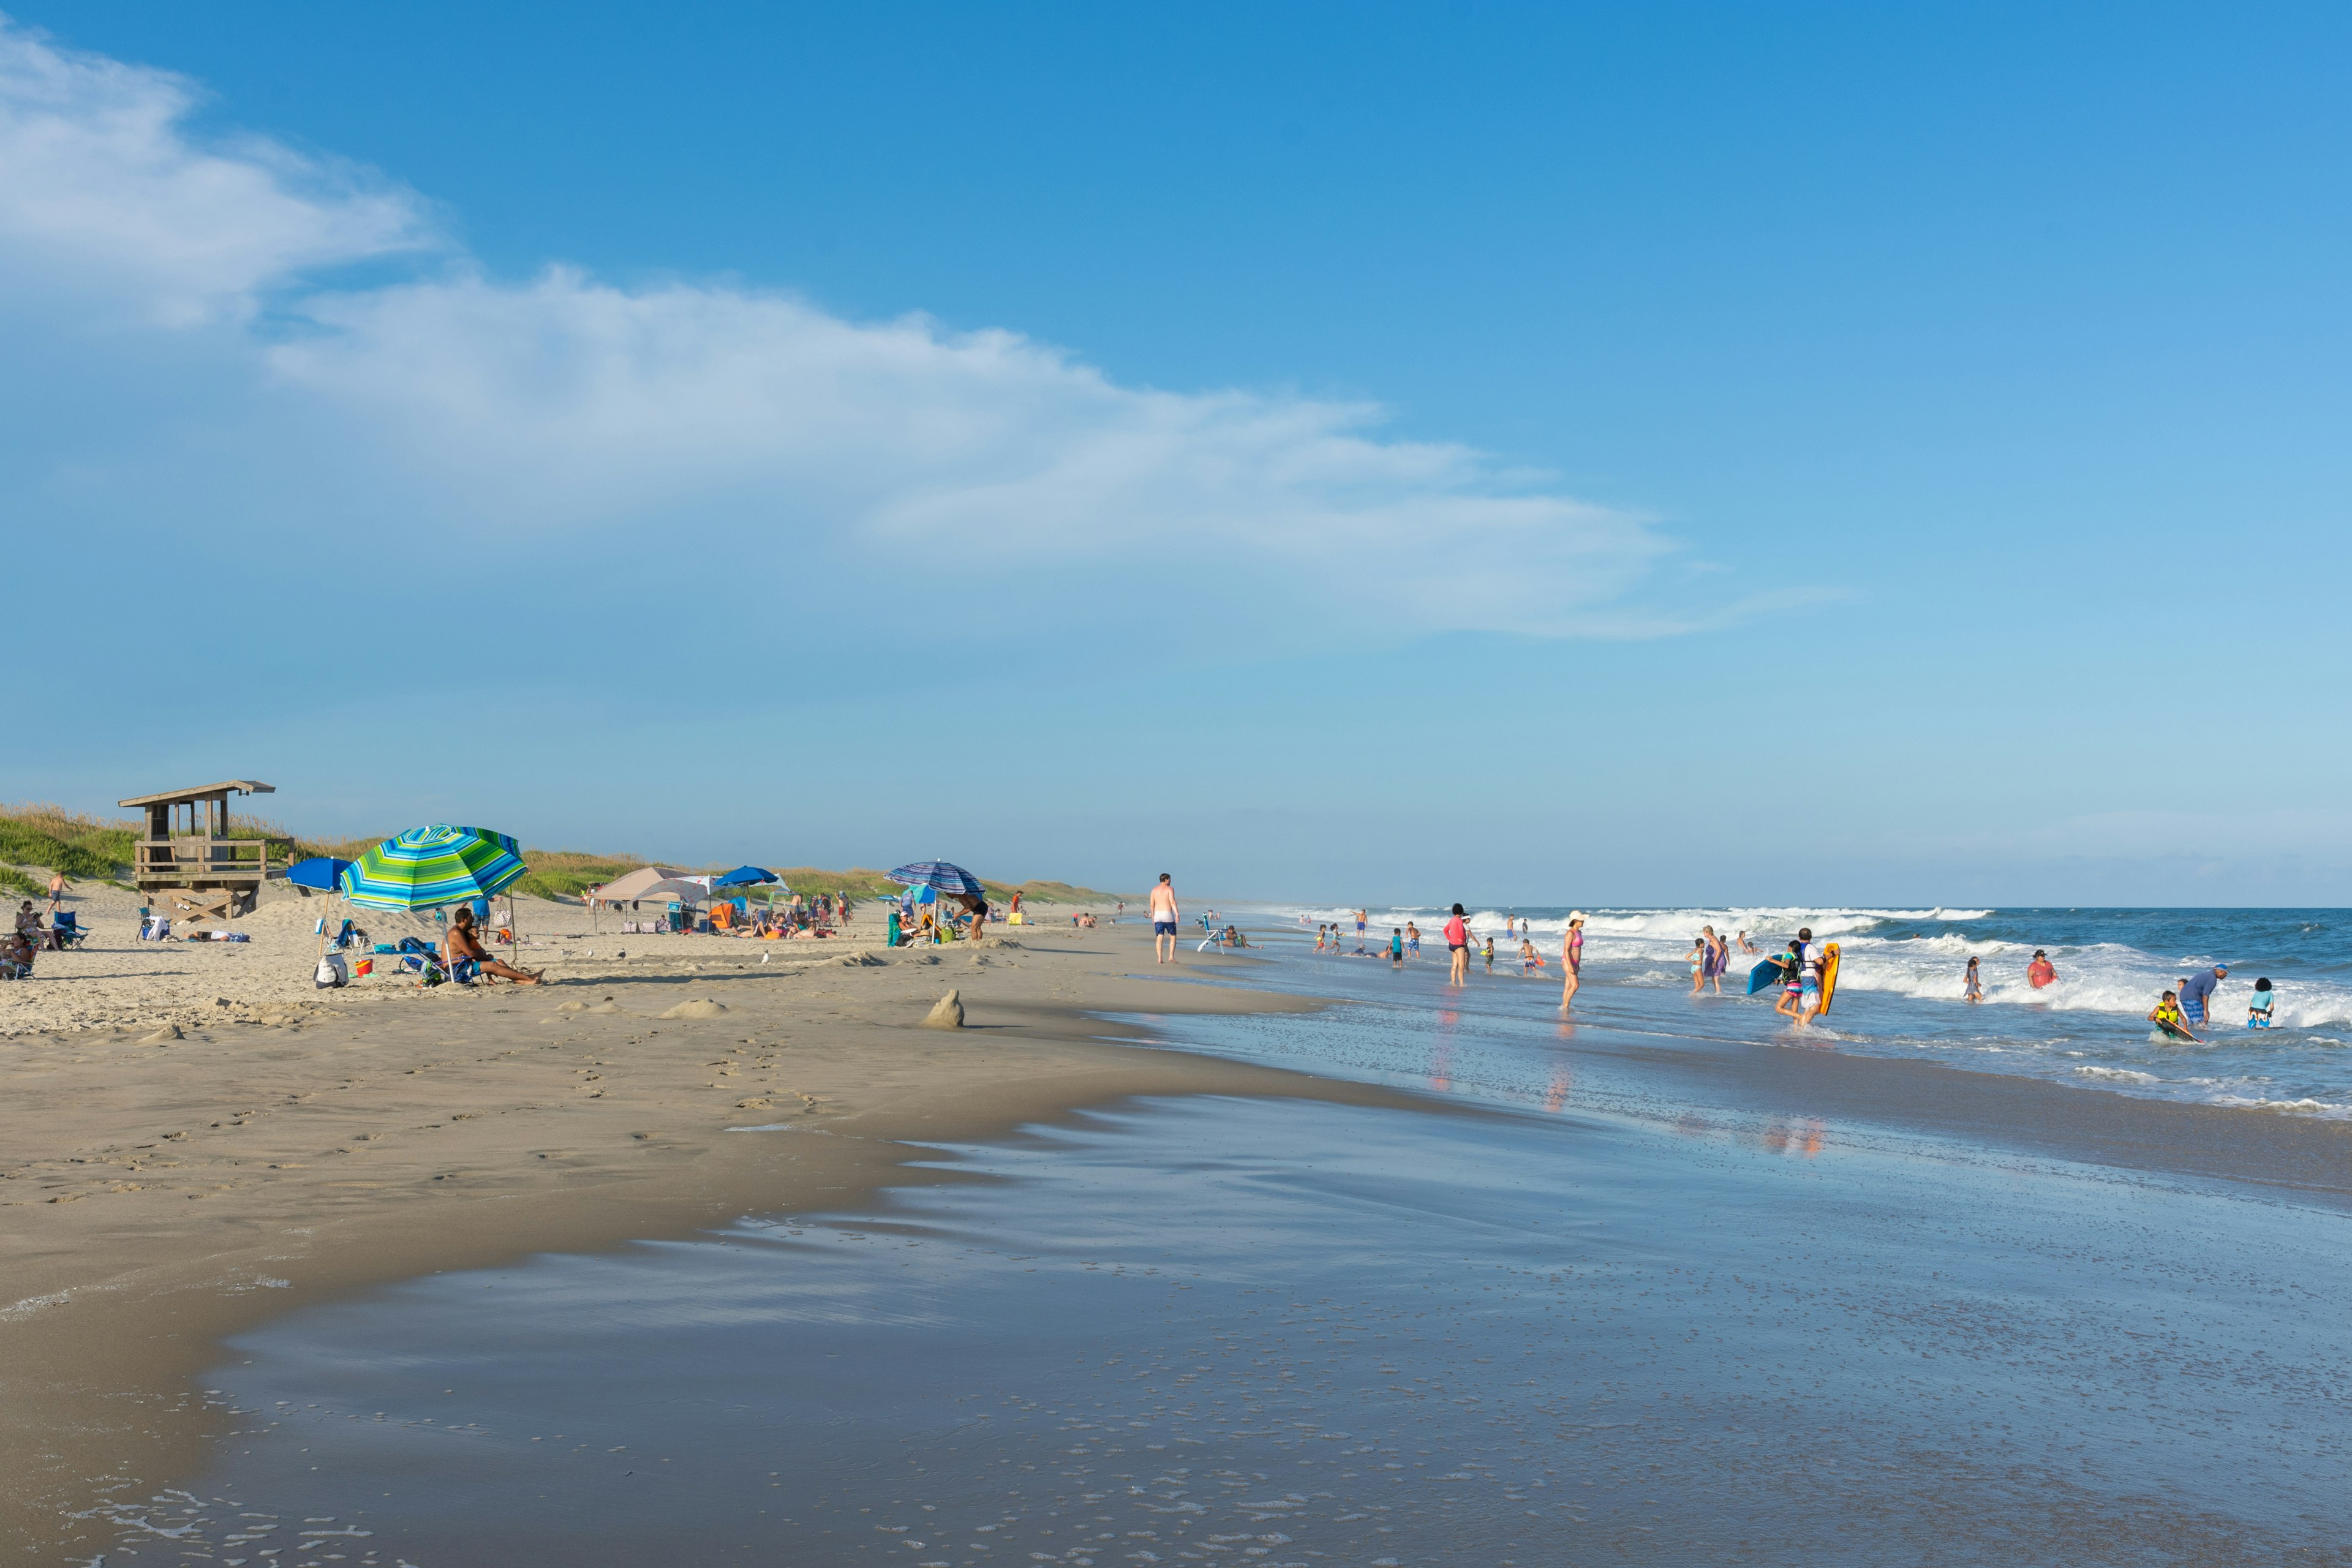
pixel 757 431
pixel 104 195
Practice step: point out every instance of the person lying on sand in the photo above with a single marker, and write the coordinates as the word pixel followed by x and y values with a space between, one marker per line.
pixel 464 945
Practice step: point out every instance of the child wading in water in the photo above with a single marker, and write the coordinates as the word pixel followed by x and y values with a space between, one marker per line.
pixel 1396 948
pixel 1490 955
pixel 1529 960
pixel 1972 988
pixel 1411 939
pixel 1792 985
pixel 2166 1016
pixel 2258 1014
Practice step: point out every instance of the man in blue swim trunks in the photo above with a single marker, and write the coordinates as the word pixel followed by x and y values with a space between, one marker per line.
pixel 1164 916
pixel 2197 992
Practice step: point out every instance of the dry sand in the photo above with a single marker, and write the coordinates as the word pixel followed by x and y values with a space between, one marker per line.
pixel 293 1144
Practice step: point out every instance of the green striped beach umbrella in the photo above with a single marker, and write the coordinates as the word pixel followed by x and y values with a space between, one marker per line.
pixel 428 867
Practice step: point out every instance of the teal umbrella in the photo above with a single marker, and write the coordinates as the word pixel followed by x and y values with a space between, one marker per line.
pixel 428 867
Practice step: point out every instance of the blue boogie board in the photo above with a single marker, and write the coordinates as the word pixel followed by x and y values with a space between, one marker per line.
pixel 1766 973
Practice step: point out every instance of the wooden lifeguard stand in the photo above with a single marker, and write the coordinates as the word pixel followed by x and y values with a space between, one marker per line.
pixel 189 856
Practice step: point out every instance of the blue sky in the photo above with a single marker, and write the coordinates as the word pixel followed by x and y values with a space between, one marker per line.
pixel 1789 455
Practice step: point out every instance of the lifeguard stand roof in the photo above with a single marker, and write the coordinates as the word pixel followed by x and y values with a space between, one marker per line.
pixel 203 792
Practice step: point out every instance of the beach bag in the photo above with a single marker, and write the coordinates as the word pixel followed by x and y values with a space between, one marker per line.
pixel 332 973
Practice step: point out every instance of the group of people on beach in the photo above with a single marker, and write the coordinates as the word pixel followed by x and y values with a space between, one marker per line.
pixel 2176 1013
pixel 1710 957
pixel 1461 945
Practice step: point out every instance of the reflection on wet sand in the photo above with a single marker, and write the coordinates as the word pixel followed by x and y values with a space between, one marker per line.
pixel 1303 1333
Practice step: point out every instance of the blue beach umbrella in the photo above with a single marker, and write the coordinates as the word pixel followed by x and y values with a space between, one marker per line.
pixel 430 868
pixel 320 871
pixel 745 875
pixel 937 875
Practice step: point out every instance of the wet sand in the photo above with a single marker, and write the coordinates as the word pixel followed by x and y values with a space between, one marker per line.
pixel 157 1197
pixel 325 1154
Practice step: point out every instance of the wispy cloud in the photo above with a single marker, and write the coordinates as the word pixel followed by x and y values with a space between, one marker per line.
pixel 761 436
pixel 104 196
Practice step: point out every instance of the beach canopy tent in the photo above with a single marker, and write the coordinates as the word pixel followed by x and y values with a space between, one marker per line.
pixel 430 867
pixel 939 876
pixel 661 882
pixel 320 871
pixel 745 875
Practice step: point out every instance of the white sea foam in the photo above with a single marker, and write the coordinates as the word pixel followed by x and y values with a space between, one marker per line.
pixel 2103 978
pixel 2118 1075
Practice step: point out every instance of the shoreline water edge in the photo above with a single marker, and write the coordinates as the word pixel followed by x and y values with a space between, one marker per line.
pixel 161 1197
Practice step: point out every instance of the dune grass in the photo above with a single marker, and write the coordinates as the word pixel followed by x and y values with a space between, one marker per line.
pixel 86 848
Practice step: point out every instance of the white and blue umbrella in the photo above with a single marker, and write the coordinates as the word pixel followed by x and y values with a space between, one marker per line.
pixel 939 876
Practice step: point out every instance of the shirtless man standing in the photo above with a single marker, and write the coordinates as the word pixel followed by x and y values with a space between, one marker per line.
pixel 1164 916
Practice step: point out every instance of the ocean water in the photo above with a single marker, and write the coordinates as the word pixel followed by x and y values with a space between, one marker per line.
pixel 1295 1334
pixel 1899 987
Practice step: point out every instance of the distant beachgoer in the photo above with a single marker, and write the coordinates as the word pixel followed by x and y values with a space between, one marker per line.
pixel 15 957
pixel 1164 917
pixel 1319 939
pixel 1411 939
pixel 1718 957
pixel 2040 972
pixel 57 886
pixel 2258 1014
pixel 462 944
pixel 1529 960
pixel 1808 995
pixel 1972 986
pixel 2197 992
pixel 28 921
pixel 1701 954
pixel 1396 948
pixel 1361 915
pixel 1747 946
pixel 1571 958
pixel 1490 955
pixel 1457 942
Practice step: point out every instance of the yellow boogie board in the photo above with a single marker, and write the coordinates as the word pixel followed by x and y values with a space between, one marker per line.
pixel 1829 966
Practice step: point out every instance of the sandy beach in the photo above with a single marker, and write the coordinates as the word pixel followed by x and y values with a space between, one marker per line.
pixel 294 1145
pixel 222 1185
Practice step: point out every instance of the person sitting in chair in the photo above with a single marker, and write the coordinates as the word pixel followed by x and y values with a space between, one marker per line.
pixel 464 945
pixel 15 957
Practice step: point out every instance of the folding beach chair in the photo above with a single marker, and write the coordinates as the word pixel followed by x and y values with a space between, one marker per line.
pixel 66 931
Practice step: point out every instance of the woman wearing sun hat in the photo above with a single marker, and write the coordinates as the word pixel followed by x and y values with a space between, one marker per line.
pixel 1571 958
